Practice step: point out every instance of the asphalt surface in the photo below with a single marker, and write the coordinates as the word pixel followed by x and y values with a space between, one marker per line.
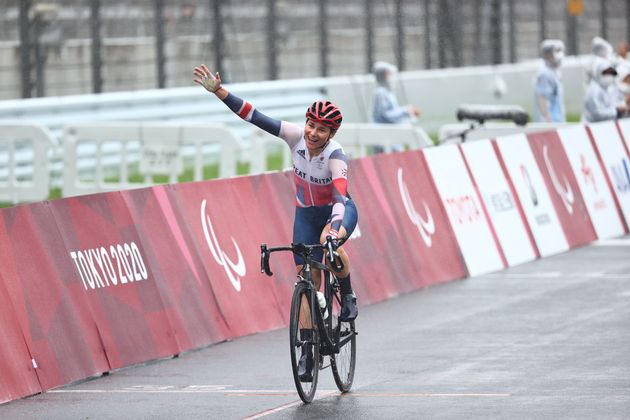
pixel 547 339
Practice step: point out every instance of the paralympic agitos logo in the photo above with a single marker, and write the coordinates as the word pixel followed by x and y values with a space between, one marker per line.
pixel 564 190
pixel 233 270
pixel 426 227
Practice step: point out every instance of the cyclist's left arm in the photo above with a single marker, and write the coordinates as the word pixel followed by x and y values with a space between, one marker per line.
pixel 338 164
pixel 291 133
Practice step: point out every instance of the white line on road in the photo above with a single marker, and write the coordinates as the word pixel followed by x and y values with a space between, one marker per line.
pixel 177 391
pixel 557 274
pixel 612 242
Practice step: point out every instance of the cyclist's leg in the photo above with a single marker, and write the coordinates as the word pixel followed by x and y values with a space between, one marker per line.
pixel 306 230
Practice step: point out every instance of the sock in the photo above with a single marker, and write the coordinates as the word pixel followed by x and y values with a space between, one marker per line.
pixel 345 286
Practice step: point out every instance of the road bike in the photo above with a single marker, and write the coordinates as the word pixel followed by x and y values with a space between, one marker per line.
pixel 331 337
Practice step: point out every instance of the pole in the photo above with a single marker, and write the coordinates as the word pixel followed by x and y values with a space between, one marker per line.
pixel 218 39
pixel 603 15
pixel 512 38
pixel 495 32
pixel 400 36
pixel 442 23
pixel 97 63
pixel 40 57
pixel 369 29
pixel 427 34
pixel 323 38
pixel 160 41
pixel 272 41
pixel 542 29
pixel 572 44
pixel 25 49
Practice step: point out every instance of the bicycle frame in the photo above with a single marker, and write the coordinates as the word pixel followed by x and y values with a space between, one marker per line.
pixel 327 345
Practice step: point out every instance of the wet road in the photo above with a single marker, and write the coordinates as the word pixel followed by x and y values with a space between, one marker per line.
pixel 548 339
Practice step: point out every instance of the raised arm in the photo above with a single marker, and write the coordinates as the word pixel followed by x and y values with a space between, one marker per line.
pixel 339 169
pixel 289 132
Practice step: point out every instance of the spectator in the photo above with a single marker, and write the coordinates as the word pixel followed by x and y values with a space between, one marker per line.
pixel 386 109
pixel 600 48
pixel 622 53
pixel 621 88
pixel 549 93
pixel 599 101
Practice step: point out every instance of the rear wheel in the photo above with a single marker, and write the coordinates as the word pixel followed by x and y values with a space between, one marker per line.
pixel 300 319
pixel 343 363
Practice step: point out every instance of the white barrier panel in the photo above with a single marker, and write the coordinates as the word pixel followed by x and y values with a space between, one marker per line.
pixel 531 190
pixel 33 142
pixel 615 160
pixel 161 148
pixel 479 247
pixel 500 203
pixel 590 178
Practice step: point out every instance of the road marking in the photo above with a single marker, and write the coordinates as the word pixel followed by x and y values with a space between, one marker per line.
pixel 558 274
pixel 425 394
pixel 318 395
pixel 166 390
pixel 534 275
pixel 612 242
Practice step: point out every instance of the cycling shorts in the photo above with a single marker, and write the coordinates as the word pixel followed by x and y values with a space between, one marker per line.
pixel 310 221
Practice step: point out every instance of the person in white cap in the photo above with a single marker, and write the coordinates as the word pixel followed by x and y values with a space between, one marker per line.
pixel 599 102
pixel 548 90
pixel 386 109
pixel 600 48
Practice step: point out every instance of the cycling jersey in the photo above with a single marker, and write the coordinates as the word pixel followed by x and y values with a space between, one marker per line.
pixel 319 180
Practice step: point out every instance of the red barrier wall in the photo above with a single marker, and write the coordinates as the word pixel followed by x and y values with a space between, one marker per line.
pixel 563 187
pixel 93 283
pixel 418 241
pixel 47 298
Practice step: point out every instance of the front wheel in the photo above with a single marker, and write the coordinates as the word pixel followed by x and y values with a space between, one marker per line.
pixel 344 334
pixel 301 319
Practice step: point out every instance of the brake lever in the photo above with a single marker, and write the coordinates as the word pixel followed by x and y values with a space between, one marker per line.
pixel 335 262
pixel 264 260
pixel 329 246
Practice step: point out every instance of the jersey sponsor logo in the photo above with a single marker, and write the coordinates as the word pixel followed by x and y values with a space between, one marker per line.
pixel 114 266
pixel 320 181
pixel 302 152
pixel 299 173
pixel 233 270
pixel 564 191
pixel 426 227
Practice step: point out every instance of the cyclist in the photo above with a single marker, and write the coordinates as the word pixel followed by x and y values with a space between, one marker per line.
pixel 323 207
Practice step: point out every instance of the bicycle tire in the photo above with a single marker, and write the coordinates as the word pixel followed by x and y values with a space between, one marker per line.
pixel 306 390
pixel 343 363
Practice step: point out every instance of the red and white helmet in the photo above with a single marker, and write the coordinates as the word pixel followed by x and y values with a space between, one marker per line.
pixel 325 112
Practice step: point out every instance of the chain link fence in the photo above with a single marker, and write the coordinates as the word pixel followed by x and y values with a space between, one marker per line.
pixel 65 47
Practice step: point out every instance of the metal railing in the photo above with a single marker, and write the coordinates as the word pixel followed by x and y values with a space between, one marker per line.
pixel 24 171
